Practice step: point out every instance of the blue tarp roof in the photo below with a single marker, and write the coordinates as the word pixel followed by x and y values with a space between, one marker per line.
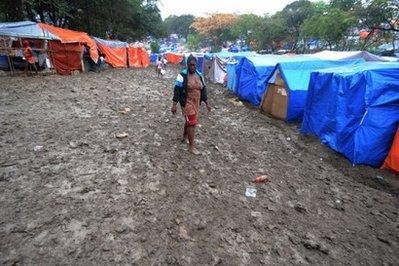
pixel 110 43
pixel 296 76
pixel 355 110
pixel 252 73
pixel 229 54
pixel 25 29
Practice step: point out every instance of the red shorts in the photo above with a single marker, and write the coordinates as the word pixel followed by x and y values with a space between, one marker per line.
pixel 191 120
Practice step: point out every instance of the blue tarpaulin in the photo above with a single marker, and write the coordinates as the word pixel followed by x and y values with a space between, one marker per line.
pixel 355 110
pixel 225 55
pixel 153 57
pixel 110 43
pixel 252 73
pixel 3 62
pixel 200 63
pixel 296 76
pixel 231 69
pixel 25 29
pixel 231 76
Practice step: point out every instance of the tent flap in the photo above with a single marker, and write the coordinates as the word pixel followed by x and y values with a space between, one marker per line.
pixel 70 36
pixel 66 57
pixel 392 160
pixel 115 52
pixel 138 57
pixel 354 110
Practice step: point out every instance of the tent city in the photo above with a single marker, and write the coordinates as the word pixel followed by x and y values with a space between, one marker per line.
pixel 155 132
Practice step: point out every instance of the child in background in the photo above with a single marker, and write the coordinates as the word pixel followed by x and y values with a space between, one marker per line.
pixel 29 57
pixel 160 67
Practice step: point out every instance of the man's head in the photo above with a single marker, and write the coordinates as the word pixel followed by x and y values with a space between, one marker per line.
pixel 191 64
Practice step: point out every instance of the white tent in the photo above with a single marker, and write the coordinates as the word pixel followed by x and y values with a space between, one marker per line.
pixel 335 55
pixel 218 70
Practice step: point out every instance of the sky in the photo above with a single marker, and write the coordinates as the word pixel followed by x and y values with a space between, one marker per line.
pixel 203 7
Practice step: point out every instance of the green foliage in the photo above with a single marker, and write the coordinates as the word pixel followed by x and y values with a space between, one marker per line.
pixel 246 27
pixel 380 14
pixel 193 41
pixel 57 12
pixel 320 7
pixel 124 19
pixel 328 21
pixel 11 10
pixel 380 18
pixel 155 47
pixel 294 15
pixel 344 5
pixel 271 32
pixel 330 27
pixel 179 24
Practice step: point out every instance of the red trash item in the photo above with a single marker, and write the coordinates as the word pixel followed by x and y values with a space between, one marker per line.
pixel 260 179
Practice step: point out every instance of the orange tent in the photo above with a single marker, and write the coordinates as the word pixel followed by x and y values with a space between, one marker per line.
pixel 71 36
pixel 392 161
pixel 138 57
pixel 115 52
pixel 145 57
pixel 174 58
pixel 66 57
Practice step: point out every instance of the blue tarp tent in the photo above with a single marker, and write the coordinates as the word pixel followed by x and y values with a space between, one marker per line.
pixel 252 73
pixel 289 83
pixel 3 62
pixel 25 29
pixel 355 110
pixel 153 57
pixel 231 69
pixel 226 55
pixel 231 76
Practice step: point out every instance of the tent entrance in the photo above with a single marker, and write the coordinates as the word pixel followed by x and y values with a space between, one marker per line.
pixel 275 98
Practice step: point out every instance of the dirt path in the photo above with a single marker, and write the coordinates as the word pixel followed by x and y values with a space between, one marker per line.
pixel 88 198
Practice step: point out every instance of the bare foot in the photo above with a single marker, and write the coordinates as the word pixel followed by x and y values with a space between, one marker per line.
pixel 193 151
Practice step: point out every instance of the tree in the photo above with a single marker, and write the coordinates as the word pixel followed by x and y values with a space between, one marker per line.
pixel 331 27
pixel 271 32
pixel 179 24
pixel 380 16
pixel 320 7
pixel 124 19
pixel 216 26
pixel 344 5
pixel 154 47
pixel 295 14
pixel 11 10
pixel 246 27
pixel 193 41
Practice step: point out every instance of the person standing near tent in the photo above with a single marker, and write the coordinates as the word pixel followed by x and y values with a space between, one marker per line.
pixel 160 67
pixel 189 91
pixel 29 57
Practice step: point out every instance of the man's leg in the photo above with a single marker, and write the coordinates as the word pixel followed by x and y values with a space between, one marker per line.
pixel 35 68
pixel 26 67
pixel 184 139
pixel 191 140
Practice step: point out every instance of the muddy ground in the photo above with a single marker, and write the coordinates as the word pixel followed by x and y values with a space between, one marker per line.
pixel 88 198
